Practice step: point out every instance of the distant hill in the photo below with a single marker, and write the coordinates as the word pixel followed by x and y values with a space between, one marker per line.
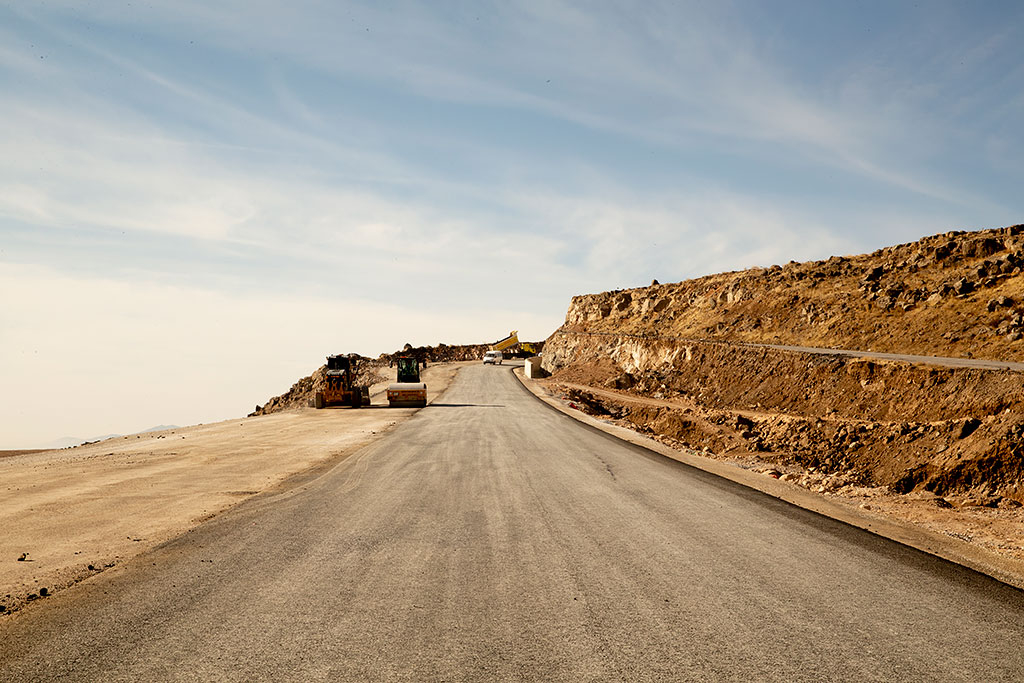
pixel 158 428
pixel 72 441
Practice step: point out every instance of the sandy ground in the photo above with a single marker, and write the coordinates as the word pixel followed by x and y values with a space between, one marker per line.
pixel 11 454
pixel 74 512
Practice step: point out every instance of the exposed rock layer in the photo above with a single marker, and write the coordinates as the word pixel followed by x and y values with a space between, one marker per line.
pixel 955 294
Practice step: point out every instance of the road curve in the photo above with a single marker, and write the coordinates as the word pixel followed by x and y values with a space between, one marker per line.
pixel 492 538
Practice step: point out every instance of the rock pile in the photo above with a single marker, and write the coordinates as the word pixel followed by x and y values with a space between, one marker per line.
pixel 442 353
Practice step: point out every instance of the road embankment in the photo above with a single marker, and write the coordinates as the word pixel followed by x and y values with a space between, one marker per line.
pixel 955 432
pixel 988 541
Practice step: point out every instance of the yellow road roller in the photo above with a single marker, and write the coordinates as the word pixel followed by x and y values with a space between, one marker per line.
pixel 408 391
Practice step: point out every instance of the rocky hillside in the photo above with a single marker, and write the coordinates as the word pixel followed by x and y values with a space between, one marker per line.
pixel 677 361
pixel 954 294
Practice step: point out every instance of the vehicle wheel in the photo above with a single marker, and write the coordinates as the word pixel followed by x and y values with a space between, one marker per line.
pixel 357 399
pixel 318 400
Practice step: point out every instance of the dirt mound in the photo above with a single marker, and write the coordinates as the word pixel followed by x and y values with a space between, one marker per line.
pixel 369 371
pixel 676 361
pixel 442 353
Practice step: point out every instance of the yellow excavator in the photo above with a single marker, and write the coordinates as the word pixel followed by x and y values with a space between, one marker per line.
pixel 408 391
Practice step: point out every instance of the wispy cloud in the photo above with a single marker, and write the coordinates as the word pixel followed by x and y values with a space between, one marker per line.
pixel 656 74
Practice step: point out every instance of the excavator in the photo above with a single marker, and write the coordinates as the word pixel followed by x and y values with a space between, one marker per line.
pixel 340 384
pixel 529 348
pixel 408 391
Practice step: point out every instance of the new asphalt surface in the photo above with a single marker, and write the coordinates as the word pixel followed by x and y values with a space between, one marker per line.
pixel 493 538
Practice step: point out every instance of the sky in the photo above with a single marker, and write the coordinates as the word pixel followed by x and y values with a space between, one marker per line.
pixel 200 200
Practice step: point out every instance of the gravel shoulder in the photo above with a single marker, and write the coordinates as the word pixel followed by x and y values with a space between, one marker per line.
pixel 75 512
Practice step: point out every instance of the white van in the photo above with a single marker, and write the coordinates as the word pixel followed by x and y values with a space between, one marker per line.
pixel 493 357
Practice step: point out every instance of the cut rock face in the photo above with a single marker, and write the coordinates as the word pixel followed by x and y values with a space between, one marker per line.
pixel 945 430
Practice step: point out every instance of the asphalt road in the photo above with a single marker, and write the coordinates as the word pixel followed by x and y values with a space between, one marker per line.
pixel 492 538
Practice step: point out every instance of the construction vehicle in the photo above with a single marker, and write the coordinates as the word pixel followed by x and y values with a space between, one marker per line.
pixel 340 384
pixel 513 348
pixel 508 342
pixel 408 391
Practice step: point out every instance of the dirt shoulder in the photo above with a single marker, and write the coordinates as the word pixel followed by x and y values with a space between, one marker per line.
pixel 989 540
pixel 74 512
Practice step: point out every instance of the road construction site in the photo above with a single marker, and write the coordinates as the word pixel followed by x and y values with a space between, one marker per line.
pixel 881 394
pixel 492 538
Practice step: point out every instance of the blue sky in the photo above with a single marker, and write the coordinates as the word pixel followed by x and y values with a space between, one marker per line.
pixel 200 200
